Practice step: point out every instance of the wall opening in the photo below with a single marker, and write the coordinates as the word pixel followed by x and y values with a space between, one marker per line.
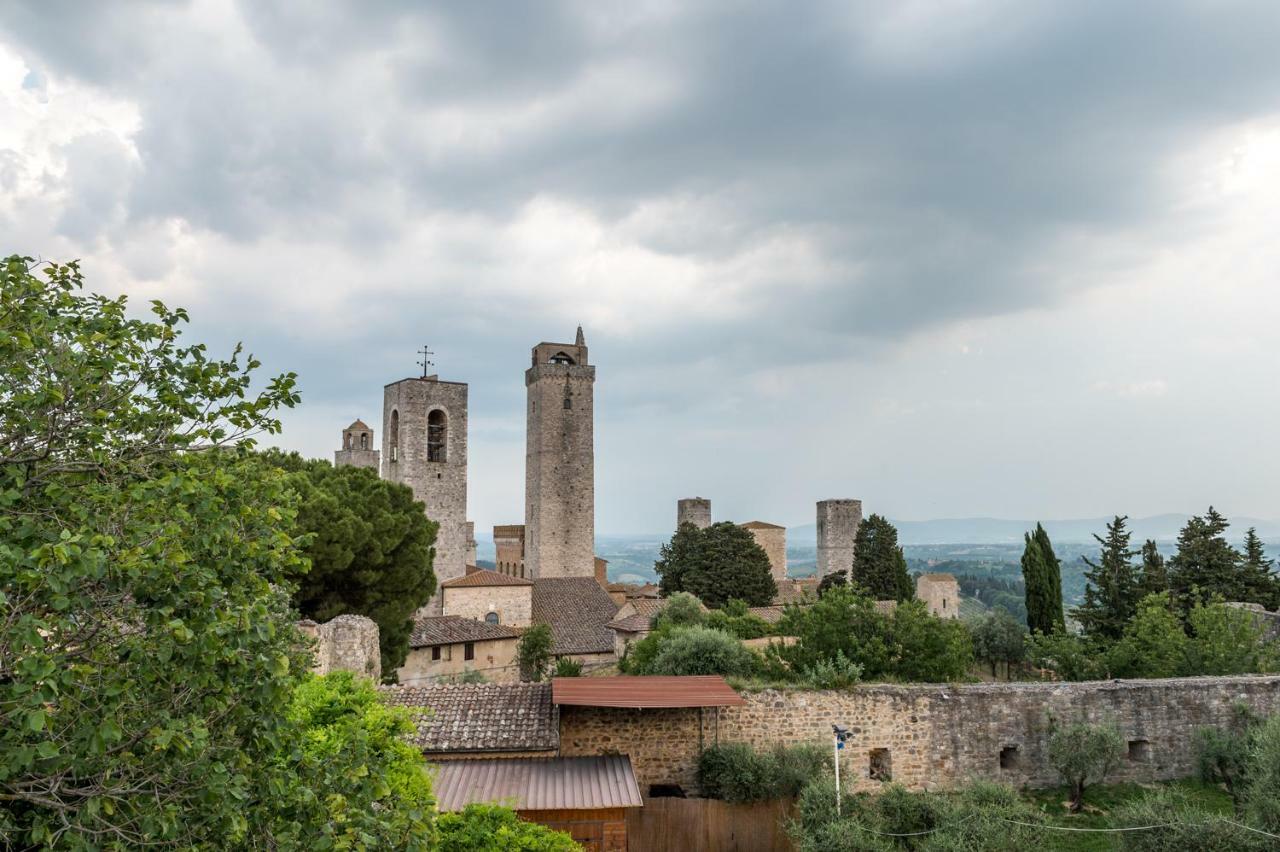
pixel 666 791
pixel 1009 757
pixel 561 358
pixel 491 617
pixel 1139 751
pixel 395 435
pixel 880 765
pixel 364 440
pixel 469 651
pixel 437 436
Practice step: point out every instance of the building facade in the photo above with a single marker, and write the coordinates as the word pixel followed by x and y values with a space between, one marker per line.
pixel 560 462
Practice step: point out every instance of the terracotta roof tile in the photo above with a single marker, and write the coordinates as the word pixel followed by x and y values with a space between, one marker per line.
pixel 448 629
pixel 481 716
pixel 485 577
pixel 578 611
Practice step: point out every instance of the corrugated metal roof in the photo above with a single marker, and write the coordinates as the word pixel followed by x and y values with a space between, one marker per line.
pixel 644 692
pixel 539 783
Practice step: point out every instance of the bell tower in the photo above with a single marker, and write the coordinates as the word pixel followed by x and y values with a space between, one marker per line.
pixel 357 447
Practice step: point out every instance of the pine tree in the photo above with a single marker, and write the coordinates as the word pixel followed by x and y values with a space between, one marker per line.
pixel 1042 577
pixel 879 567
pixel 1111 592
pixel 1206 565
pixel 1263 584
pixel 1155 579
pixel 716 564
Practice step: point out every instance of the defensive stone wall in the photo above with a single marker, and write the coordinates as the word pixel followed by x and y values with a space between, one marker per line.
pixel 931 736
pixel 347 642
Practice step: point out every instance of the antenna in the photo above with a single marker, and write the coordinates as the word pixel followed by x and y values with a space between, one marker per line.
pixel 426 363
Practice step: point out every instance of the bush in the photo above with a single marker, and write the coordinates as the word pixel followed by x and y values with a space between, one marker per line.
pixel 702 651
pixel 533 652
pixel 682 610
pixel 1070 657
pixel 1224 756
pixel 568 667
pixel 471 676
pixel 1182 826
pixel 487 828
pixel 1262 800
pixel 736 619
pixel 838 673
pixel 1085 754
pixel 735 772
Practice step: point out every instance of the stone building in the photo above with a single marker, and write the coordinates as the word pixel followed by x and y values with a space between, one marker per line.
pixel 693 510
pixel 446 646
pixel 838 522
pixel 508 545
pixel 489 596
pixel 560 462
pixel 941 593
pixel 424 446
pixel 357 448
pixel 773 540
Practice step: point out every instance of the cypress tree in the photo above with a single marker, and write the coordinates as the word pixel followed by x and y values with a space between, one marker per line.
pixel 879 566
pixel 1042 577
pixel 1155 579
pixel 1053 568
pixel 1111 590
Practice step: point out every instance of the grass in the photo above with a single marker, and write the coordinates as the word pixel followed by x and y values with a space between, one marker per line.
pixel 1101 801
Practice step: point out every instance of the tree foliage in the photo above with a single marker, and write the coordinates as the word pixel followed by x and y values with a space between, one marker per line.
pixel 879 568
pixel 487 828
pixel 1042 576
pixel 1085 754
pixel 681 610
pixel 533 652
pixel 998 638
pixel 736 619
pixel 1154 643
pixel 1112 591
pixel 699 651
pixel 1154 577
pixel 369 546
pixel 716 564
pixel 1206 564
pixel 735 772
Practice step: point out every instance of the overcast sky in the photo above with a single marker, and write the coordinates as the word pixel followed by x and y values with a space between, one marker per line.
pixel 995 257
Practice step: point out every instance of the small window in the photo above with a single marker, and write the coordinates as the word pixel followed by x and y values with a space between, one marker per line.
pixel 437 436
pixel 568 403
pixel 491 617
pixel 944 604
pixel 1009 757
pixel 469 651
pixel 435 653
pixel 348 441
pixel 1139 751
pixel 880 765
pixel 395 435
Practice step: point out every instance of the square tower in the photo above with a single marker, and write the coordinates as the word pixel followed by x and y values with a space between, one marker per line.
pixel 424 446
pixel 838 522
pixel 693 510
pixel 559 484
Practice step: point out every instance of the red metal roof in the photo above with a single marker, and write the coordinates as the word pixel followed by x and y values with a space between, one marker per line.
pixel 539 783
pixel 643 692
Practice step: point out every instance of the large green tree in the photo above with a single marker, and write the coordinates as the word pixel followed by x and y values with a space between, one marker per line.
pixel 1263 585
pixel 369 546
pixel 879 568
pixel 716 564
pixel 1042 577
pixel 1206 564
pixel 1112 587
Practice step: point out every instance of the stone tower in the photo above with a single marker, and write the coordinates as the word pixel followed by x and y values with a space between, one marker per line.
pixel 357 448
pixel 838 522
pixel 559 483
pixel 424 446
pixel 772 539
pixel 693 510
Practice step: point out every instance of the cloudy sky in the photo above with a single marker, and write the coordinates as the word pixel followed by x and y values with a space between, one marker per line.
pixel 990 257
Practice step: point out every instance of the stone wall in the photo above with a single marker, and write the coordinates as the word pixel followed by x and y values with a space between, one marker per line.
pixel 932 735
pixel 347 642
pixel 838 522
pixel 513 604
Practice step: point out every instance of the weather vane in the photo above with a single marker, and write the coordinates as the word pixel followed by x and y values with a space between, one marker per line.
pixel 426 363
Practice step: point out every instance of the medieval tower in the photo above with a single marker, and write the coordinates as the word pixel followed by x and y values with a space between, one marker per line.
pixel 693 510
pixel 424 446
pixel 559 485
pixel 357 448
pixel 838 522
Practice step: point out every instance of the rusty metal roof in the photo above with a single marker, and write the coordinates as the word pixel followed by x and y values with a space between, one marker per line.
pixel 644 692
pixel 539 783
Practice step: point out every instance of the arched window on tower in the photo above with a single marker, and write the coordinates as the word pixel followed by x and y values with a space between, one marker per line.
pixel 347 441
pixel 364 440
pixel 395 435
pixel 561 358
pixel 437 436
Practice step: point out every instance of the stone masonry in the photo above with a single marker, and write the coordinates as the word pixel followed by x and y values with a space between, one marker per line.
pixel 560 462
pixel 347 643
pixel 693 510
pixel 357 448
pixel 424 446
pixel 931 736
pixel 508 545
pixel 940 593
pixel 773 540
pixel 838 522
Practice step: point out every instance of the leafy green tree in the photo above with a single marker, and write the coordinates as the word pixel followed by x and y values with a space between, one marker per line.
pixel 1224 755
pixel 1154 643
pixel 1264 586
pixel 879 568
pixel 1206 565
pixel 716 564
pixel 147 653
pixel 489 828
pixel 1070 657
pixel 1042 577
pixel 929 649
pixel 360 783
pixel 1227 640
pixel 682 610
pixel 369 545
pixel 832 580
pixel 702 651
pixel 1085 754
pixel 998 637
pixel 1154 579
pixel 1112 591
pixel 1262 800
pixel 533 652
pixel 735 618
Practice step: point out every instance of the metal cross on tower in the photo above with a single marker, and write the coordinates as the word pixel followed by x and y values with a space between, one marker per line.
pixel 426 363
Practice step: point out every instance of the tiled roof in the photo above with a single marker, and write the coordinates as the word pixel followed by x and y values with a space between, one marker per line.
pixel 447 629
pixel 761 525
pixel 485 577
pixel 539 783
pixel 481 716
pixel 632 624
pixel 797 591
pixel 578 611
pixel 771 614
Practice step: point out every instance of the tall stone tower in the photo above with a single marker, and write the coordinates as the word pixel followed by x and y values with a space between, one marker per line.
pixel 559 482
pixel 693 510
pixel 424 446
pixel 357 448
pixel 838 522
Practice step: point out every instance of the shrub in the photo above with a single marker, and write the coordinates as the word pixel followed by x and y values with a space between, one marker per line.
pixel 1180 825
pixel 736 619
pixel 472 676
pixel 682 610
pixel 1223 756
pixel 487 828
pixel 797 765
pixel 1070 657
pixel 533 652
pixel 568 667
pixel 1262 800
pixel 837 673
pixel 1085 754
pixel 702 651
pixel 735 772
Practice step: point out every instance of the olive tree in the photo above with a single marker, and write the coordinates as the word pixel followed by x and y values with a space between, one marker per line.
pixel 1085 754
